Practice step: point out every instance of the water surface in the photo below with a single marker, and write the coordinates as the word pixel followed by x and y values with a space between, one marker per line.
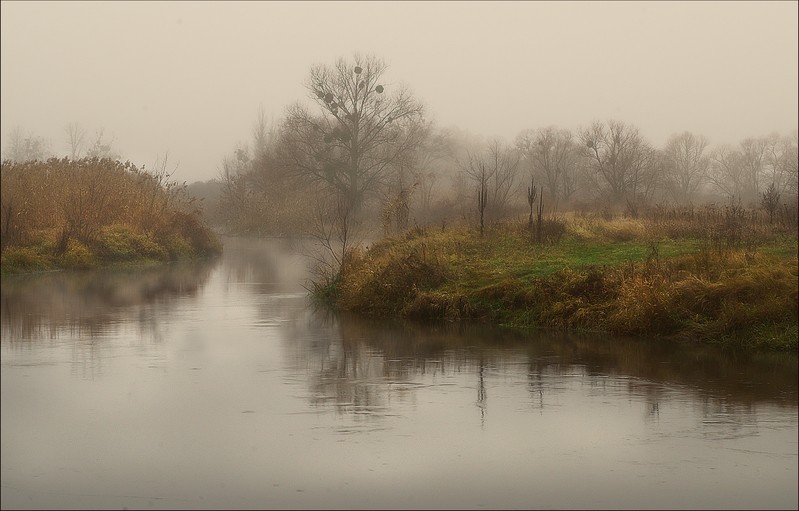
pixel 217 385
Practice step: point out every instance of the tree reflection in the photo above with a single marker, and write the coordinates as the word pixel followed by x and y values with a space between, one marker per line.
pixel 482 398
pixel 363 363
pixel 264 265
pixel 93 304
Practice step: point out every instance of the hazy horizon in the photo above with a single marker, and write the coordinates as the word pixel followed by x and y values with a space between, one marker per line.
pixel 189 77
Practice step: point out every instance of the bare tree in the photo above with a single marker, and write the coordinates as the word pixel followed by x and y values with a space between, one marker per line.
pixel 738 172
pixel 103 148
pixel 427 180
pixel 424 160
pixel 266 182
pixel 781 162
pixel 726 171
pixel 792 162
pixel 336 232
pixel 23 146
pixel 550 155
pixel 494 173
pixel 434 161
pixel 403 179
pixel 76 138
pixel 686 165
pixel 621 161
pixel 259 194
pixel 504 165
pixel 480 172
pixel 360 132
pixel 753 161
pixel 770 201
pixel 241 204
pixel 532 192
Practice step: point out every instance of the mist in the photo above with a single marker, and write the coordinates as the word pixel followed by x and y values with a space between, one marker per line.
pixel 187 79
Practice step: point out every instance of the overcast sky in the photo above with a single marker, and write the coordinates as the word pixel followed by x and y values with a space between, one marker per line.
pixel 188 77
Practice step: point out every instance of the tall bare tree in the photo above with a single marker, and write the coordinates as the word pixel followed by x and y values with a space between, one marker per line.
pixel 76 138
pixel 686 165
pixel 739 172
pixel 621 161
pixel 495 175
pixel 424 160
pixel 550 155
pixel 754 161
pixel 258 195
pixel 504 164
pixel 781 162
pixel 479 171
pixel 363 127
pixel 726 172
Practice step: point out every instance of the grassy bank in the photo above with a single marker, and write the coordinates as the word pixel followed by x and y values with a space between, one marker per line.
pixel 65 214
pixel 621 276
pixel 117 245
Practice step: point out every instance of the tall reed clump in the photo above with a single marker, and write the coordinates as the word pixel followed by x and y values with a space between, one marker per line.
pixel 81 213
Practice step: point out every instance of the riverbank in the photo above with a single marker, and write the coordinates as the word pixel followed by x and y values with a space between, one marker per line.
pixel 623 277
pixel 93 212
pixel 115 246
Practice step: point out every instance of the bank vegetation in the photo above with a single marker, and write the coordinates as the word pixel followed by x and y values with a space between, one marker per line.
pixel 91 212
pixel 722 275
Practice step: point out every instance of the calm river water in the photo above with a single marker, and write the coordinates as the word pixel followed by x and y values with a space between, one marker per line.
pixel 217 385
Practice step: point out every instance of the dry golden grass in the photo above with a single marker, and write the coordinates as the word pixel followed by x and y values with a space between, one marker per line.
pixel 78 213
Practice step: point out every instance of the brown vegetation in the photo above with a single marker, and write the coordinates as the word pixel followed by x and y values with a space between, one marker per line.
pixel 79 213
pixel 725 275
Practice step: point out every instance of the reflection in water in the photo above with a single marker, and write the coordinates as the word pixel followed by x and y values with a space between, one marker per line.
pixel 362 366
pixel 92 304
pixel 643 367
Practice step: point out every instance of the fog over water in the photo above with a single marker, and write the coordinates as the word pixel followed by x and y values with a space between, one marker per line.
pixel 189 77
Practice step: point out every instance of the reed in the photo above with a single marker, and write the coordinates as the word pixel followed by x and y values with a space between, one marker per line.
pixel 64 213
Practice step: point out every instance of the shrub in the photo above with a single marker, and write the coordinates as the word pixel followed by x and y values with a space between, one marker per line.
pixel 177 247
pixel 389 281
pixel 23 259
pixel 78 256
pixel 622 229
pixel 201 240
pixel 553 230
pixel 121 242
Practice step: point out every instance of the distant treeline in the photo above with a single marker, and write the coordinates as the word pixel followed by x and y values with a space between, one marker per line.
pixel 608 168
pixel 363 146
pixel 94 211
pixel 371 147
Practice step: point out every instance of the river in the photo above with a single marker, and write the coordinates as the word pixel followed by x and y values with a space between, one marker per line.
pixel 218 385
